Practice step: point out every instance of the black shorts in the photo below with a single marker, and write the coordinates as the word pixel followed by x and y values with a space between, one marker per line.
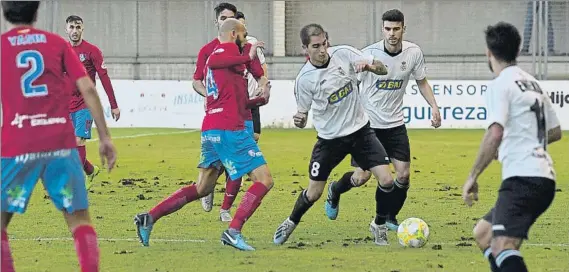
pixel 395 141
pixel 255 112
pixel 521 200
pixel 364 147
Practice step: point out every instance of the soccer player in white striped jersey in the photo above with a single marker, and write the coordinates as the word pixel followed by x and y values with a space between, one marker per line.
pixel 521 122
pixel 383 101
pixel 328 84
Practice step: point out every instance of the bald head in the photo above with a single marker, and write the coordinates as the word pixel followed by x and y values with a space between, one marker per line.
pixel 229 28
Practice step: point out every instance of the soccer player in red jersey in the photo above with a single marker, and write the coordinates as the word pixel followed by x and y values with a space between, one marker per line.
pixel 37 134
pixel 92 58
pixel 225 141
pixel 224 11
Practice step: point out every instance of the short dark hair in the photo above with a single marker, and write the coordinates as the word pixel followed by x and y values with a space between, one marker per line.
pixel 73 18
pixel 309 31
pixel 503 40
pixel 20 12
pixel 393 15
pixel 223 6
pixel 239 15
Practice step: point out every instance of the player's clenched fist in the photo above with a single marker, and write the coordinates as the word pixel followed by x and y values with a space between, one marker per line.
pixel 300 119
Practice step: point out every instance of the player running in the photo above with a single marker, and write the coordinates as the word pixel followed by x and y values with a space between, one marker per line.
pixel 521 122
pixel 328 83
pixel 224 11
pixel 383 101
pixel 37 135
pixel 225 141
pixel 253 125
pixel 92 58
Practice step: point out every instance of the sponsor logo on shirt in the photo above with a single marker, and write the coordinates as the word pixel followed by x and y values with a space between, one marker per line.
pixel 34 156
pixel 340 94
pixel 82 57
pixel 37 120
pixel 252 153
pixel 388 85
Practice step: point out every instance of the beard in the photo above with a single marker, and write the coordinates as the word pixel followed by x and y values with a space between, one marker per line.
pixel 239 45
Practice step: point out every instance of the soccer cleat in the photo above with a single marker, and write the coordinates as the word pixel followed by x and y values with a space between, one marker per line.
pixel 143 222
pixel 392 224
pixel 235 240
pixel 284 231
pixel 379 233
pixel 330 206
pixel 207 202
pixel 91 177
pixel 225 216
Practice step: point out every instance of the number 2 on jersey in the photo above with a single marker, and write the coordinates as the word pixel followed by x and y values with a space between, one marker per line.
pixel 537 108
pixel 33 60
pixel 211 87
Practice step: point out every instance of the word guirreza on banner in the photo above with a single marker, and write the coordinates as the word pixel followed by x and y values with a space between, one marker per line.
pixel 174 104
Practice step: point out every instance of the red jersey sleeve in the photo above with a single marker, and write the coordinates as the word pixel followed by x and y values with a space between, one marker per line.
pixel 254 67
pixel 73 66
pixel 200 64
pixel 99 63
pixel 225 56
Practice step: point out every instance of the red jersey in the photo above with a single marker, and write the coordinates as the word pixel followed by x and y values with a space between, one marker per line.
pixel 92 58
pixel 254 67
pixel 34 63
pixel 226 89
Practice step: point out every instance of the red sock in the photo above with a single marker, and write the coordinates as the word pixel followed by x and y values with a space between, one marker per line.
pixel 174 202
pixel 250 202
pixel 231 190
pixel 87 166
pixel 87 248
pixel 7 262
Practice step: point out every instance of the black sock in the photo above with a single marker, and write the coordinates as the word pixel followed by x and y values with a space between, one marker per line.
pixel 399 197
pixel 488 254
pixel 510 260
pixel 300 207
pixel 344 184
pixel 383 200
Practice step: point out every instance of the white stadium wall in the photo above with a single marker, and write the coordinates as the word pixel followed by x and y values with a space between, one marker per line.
pixel 174 104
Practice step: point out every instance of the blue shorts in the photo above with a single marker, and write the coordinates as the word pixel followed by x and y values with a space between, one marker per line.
pixel 60 171
pixel 249 127
pixel 82 122
pixel 235 150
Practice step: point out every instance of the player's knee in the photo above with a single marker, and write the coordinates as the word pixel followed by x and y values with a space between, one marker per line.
pixel 256 136
pixel 80 141
pixel 77 218
pixel 482 233
pixel 383 175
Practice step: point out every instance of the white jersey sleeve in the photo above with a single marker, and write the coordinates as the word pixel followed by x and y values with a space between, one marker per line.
pixel 498 105
pixel 260 53
pixel 303 94
pixel 419 70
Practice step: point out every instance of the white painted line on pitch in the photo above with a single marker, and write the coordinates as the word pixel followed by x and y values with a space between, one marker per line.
pixel 216 241
pixel 146 134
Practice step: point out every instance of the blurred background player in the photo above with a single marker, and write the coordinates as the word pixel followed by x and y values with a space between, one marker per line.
pixel 224 137
pixel 92 58
pixel 328 84
pixel 37 135
pixel 253 124
pixel 383 101
pixel 521 122
pixel 224 11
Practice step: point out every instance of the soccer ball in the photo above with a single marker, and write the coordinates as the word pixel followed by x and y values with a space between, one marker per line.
pixel 413 232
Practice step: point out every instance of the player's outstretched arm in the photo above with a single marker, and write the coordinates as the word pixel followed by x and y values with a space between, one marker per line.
pixel 377 67
pixel 220 61
pixel 262 99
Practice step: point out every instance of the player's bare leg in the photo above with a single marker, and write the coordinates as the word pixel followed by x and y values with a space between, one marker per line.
pixel 7 261
pixel 86 245
pixel 305 200
pixel 262 184
pixel 483 237
pixel 90 170
pixel 507 255
pixel 145 221
pixel 400 191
